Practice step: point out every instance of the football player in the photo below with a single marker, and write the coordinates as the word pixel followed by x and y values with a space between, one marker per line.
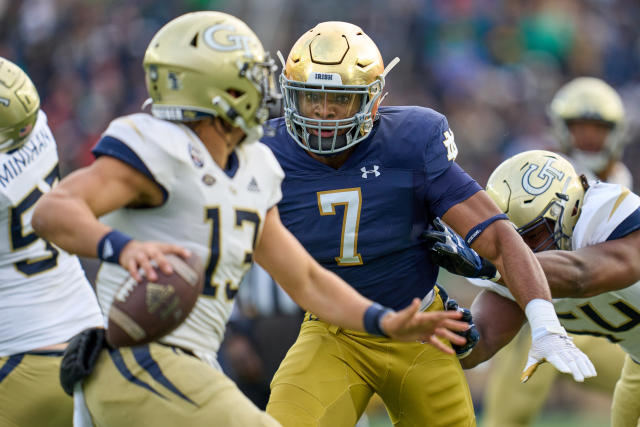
pixel 361 184
pixel 45 298
pixel 193 174
pixel 587 239
pixel 588 121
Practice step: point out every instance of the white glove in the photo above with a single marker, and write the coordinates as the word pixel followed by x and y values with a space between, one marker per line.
pixel 558 349
pixel 551 343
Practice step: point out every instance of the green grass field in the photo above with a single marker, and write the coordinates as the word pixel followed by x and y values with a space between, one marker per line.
pixel 569 419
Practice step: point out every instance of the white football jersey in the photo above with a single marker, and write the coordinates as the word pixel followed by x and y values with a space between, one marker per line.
pixel 614 315
pixel 45 297
pixel 216 214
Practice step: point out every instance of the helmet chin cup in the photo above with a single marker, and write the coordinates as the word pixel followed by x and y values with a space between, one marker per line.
pixel 594 162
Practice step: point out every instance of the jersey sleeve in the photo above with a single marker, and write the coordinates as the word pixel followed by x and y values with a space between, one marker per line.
pixel 277 175
pixel 124 140
pixel 610 212
pixel 447 183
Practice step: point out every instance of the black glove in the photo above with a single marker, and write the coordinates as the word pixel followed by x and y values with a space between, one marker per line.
pixel 470 334
pixel 449 251
pixel 80 357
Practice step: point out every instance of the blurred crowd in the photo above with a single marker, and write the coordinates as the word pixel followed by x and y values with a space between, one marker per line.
pixel 491 66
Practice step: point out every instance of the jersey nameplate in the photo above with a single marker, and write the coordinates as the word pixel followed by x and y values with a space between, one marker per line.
pixel 13 164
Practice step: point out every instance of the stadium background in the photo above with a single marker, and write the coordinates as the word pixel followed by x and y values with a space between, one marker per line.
pixel 491 66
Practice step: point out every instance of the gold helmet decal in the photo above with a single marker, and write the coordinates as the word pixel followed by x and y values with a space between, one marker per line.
pixel 210 64
pixel 332 84
pixel 536 188
pixel 589 98
pixel 19 105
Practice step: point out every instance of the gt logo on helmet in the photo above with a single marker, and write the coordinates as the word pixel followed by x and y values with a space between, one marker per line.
pixel 548 173
pixel 236 41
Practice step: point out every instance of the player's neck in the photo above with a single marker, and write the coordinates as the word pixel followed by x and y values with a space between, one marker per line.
pixel 218 141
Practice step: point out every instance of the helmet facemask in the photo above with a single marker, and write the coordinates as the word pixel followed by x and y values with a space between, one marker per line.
pixel 545 232
pixel 329 136
pixel 590 99
pixel 332 84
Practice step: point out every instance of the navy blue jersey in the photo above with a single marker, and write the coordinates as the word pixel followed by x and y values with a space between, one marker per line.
pixel 364 220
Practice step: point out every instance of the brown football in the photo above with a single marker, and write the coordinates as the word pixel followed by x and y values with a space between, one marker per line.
pixel 145 311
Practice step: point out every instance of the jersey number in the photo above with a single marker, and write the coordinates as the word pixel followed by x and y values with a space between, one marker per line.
pixel 624 309
pixel 19 240
pixel 351 199
pixel 213 215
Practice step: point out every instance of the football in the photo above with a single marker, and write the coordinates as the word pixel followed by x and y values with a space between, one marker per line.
pixel 145 311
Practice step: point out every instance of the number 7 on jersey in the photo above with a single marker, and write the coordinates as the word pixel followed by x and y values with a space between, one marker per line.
pixel 351 199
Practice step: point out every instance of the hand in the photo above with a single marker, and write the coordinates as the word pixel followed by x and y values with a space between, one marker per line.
pixel 411 324
pixel 450 252
pixel 559 350
pixel 138 255
pixel 471 334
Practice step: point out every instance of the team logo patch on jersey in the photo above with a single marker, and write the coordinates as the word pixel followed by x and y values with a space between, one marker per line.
pixel 373 170
pixel 253 185
pixel 196 156
pixel 208 179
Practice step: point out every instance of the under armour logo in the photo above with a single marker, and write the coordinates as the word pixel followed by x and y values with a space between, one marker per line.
pixel 366 171
pixel 253 186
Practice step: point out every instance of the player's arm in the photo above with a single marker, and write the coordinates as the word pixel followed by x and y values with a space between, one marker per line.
pixel 498 320
pixel 502 246
pixel 592 270
pixel 498 242
pixel 68 215
pixel 333 300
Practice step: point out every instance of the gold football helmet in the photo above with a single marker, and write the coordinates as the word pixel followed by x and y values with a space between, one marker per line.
pixel 19 105
pixel 589 98
pixel 210 64
pixel 539 188
pixel 332 85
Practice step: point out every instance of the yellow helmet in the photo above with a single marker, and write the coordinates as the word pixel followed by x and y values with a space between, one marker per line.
pixel 334 60
pixel 210 64
pixel 539 187
pixel 19 105
pixel 589 98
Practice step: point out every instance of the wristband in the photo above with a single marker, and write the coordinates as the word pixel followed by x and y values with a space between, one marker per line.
pixel 373 317
pixel 110 246
pixel 542 318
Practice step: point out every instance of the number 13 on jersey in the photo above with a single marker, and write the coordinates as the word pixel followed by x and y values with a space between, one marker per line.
pixel 351 199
